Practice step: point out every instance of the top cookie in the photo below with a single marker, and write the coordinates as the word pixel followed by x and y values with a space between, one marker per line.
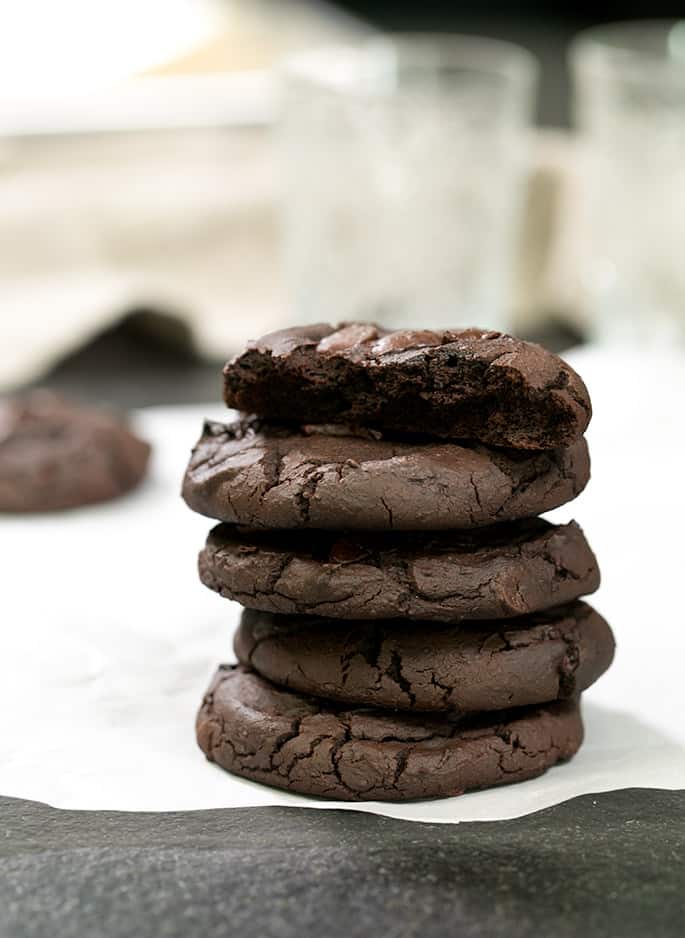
pixel 462 385
pixel 56 455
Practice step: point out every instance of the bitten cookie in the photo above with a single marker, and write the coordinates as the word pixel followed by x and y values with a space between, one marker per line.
pixel 56 455
pixel 492 573
pixel 468 385
pixel 270 476
pixel 423 666
pixel 253 729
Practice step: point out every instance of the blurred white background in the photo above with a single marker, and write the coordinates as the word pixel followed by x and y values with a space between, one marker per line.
pixel 139 170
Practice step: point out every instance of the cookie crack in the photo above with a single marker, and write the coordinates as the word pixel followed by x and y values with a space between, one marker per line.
pixel 283 739
pixel 307 754
pixel 394 672
pixel 401 760
pixel 368 647
pixel 388 510
pixel 568 666
pixel 303 496
pixel 336 755
pixel 561 572
pixel 476 493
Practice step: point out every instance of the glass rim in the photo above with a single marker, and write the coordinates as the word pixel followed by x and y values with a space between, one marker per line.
pixel 606 45
pixel 475 53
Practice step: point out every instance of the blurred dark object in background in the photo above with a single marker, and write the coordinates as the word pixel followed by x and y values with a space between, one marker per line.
pixel 544 29
pixel 387 11
pixel 146 359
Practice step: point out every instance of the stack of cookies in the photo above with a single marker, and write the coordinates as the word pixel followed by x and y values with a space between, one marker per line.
pixel 412 628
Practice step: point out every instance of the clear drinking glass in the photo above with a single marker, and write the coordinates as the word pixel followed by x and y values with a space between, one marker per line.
pixel 404 162
pixel 629 81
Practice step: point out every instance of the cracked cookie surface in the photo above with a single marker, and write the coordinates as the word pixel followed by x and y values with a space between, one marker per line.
pixel 468 384
pixel 56 455
pixel 253 729
pixel 423 666
pixel 269 476
pixel 491 573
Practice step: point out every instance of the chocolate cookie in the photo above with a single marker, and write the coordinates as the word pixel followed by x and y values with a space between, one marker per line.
pixel 426 666
pixel 56 455
pixel 269 476
pixel 469 385
pixel 491 573
pixel 253 729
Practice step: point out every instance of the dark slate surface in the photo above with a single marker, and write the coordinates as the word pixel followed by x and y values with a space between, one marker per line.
pixel 600 865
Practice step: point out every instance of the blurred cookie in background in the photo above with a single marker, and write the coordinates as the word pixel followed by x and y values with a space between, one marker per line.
pixel 56 454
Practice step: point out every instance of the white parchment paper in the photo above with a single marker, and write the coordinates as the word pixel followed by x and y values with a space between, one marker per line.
pixel 107 639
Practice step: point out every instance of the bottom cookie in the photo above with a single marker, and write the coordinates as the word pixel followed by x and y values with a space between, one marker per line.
pixel 253 729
